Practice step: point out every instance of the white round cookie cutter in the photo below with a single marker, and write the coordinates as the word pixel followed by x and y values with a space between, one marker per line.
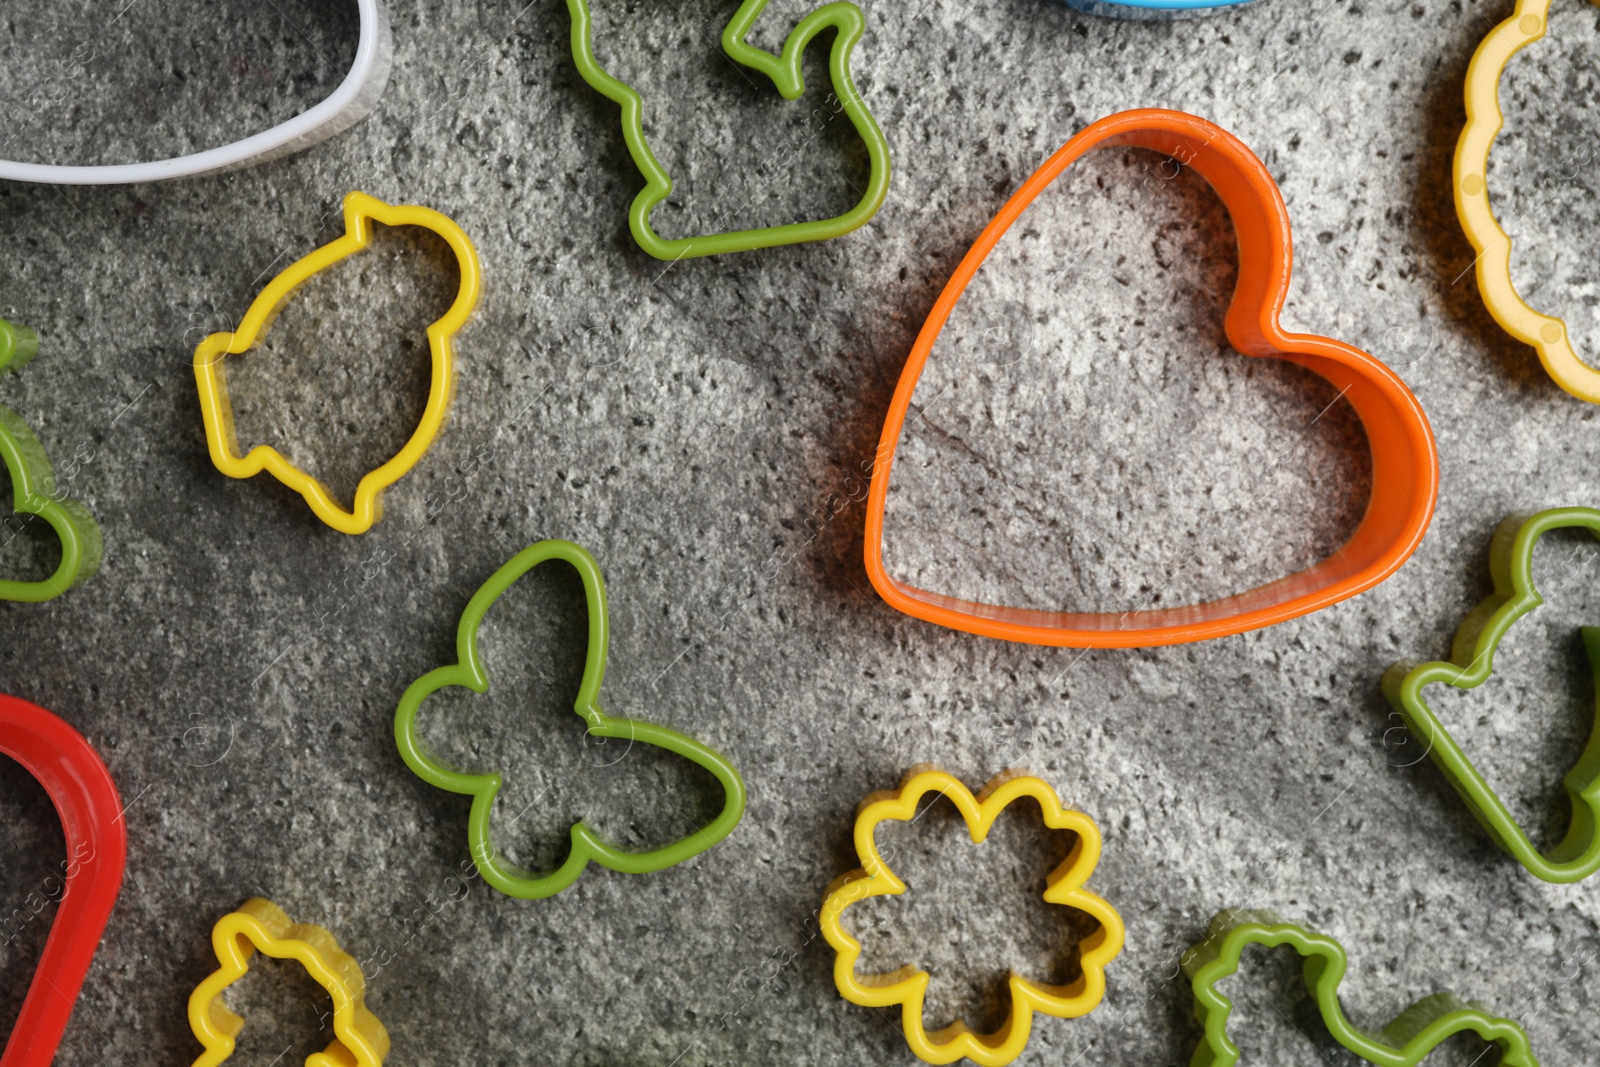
pixel 347 105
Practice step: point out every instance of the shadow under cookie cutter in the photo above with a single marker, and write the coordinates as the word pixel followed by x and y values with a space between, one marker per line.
pixel 90 810
pixel 35 493
pixel 1405 1042
pixel 347 105
pixel 1405 466
pixel 1577 855
pixel 1547 334
pixel 587 845
pixel 216 409
pixel 907 988
pixel 359 1039
pixel 784 71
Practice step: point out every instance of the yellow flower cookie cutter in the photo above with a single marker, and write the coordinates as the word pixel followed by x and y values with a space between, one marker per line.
pixel 908 987
pixel 1547 334
pixel 359 1039
pixel 360 211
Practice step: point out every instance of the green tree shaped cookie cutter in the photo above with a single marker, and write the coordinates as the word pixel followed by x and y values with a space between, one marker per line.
pixel 848 24
pixel 1405 1042
pixel 35 494
pixel 1471 663
pixel 587 845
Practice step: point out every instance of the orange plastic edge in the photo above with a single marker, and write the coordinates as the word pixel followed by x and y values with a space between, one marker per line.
pixel 1405 466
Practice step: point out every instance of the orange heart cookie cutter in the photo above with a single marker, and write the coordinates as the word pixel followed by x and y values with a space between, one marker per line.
pixel 1405 466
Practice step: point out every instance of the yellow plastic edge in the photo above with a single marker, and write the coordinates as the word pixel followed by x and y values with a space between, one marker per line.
pixel 260 925
pixel 907 987
pixel 360 210
pixel 1548 335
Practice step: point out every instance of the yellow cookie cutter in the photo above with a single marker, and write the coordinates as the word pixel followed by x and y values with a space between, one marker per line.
pixel 1547 334
pixel 360 211
pixel 908 986
pixel 359 1039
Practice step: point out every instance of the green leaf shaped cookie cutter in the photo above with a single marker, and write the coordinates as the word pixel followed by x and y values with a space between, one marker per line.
pixel 587 845
pixel 1405 1042
pixel 1471 663
pixel 34 492
pixel 848 24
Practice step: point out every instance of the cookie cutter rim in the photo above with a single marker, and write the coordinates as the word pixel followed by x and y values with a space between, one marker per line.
pixel 1547 334
pixel 1471 663
pixel 90 810
pixel 784 71
pixel 360 211
pixel 1153 9
pixel 1405 467
pixel 359 1039
pixel 908 986
pixel 1405 1042
pixel 587 846
pixel 348 104
pixel 28 465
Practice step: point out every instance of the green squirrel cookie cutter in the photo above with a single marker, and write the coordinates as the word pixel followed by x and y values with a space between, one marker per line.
pixel 1471 662
pixel 1405 1042
pixel 783 70
pixel 587 845
pixel 34 491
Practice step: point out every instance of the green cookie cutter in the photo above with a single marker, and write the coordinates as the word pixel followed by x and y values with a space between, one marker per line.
pixel 587 845
pixel 848 24
pixel 1405 1042
pixel 1471 663
pixel 33 491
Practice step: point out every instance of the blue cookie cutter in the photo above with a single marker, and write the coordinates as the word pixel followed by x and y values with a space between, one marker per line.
pixel 1152 9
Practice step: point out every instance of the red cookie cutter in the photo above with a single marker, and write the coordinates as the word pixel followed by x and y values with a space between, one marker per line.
pixel 1405 465
pixel 97 850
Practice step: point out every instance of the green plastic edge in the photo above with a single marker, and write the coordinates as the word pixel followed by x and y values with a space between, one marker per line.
pixel 587 845
pixel 1405 1042
pixel 1577 856
pixel 32 486
pixel 18 344
pixel 785 74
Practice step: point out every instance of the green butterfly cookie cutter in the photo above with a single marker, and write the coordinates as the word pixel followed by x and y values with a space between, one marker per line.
pixel 1405 1042
pixel 34 491
pixel 848 24
pixel 587 845
pixel 1471 663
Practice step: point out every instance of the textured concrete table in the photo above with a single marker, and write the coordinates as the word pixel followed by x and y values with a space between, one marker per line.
pixel 1088 439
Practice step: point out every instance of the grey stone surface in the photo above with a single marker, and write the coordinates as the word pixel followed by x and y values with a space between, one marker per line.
pixel 698 427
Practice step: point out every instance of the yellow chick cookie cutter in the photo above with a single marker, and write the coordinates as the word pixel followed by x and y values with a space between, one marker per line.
pixel 1546 333
pixel 908 987
pixel 360 211
pixel 359 1039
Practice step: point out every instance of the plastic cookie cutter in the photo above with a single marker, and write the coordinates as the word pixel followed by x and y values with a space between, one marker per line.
pixel 1471 663
pixel 35 493
pixel 359 1039
pixel 1548 335
pixel 587 845
pixel 847 23
pixel 1154 9
pixel 360 212
pixel 1405 468
pixel 90 810
pixel 351 102
pixel 908 986
pixel 1405 1042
